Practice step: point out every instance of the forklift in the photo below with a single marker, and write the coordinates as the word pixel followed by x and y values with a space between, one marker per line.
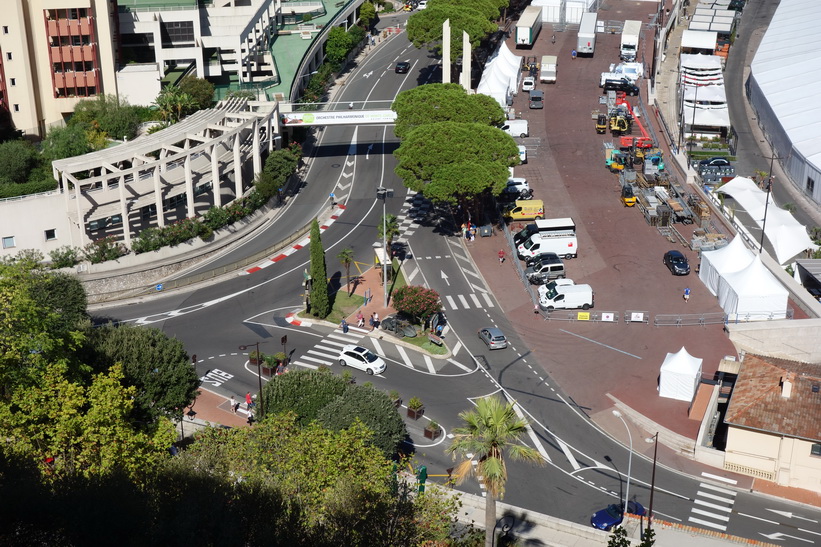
pixel 619 125
pixel 628 198
pixel 618 161
pixel 601 124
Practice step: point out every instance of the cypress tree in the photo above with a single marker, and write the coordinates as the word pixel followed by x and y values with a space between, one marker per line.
pixel 320 300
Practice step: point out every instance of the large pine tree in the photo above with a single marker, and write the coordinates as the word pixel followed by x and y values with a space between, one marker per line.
pixel 320 300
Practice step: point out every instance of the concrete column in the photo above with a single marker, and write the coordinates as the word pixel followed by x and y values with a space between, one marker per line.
pixel 257 155
pixel 237 166
pixel 189 187
pixel 215 176
pixel 446 52
pixel 158 196
pixel 269 131
pixel 81 224
pixel 64 188
pixel 124 213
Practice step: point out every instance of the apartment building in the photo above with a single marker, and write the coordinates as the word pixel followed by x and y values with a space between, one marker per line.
pixel 53 53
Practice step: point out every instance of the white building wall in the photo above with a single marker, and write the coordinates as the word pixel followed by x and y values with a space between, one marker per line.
pixel 28 219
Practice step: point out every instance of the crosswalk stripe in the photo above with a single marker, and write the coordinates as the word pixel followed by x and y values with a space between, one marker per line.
pixel 456 348
pixel 347 338
pixel 725 518
pixel 413 274
pixel 489 300
pixel 714 497
pixel 458 364
pixel 316 360
pixel 377 346
pixel 338 345
pixel 404 355
pixel 463 300
pixel 713 505
pixel 708 523
pixel 717 489
pixel 718 478
pixel 569 455
pixel 475 300
pixel 460 256
pixel 429 363
pixel 313 351
pixel 306 365
pixel 451 302
pixel 471 272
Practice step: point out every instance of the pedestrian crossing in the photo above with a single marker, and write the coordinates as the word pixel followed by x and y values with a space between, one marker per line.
pixel 712 506
pixel 415 210
pixel 326 353
pixel 467 302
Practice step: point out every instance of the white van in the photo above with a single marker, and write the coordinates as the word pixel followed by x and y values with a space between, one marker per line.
pixel 516 128
pixel 565 297
pixel 563 244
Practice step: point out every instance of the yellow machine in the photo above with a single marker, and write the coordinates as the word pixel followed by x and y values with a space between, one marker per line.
pixel 619 125
pixel 601 124
pixel 628 198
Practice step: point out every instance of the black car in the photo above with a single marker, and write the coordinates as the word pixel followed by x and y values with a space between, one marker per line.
pixel 549 257
pixel 676 263
pixel 402 67
pixel 621 84
pixel 524 234
pixel 718 161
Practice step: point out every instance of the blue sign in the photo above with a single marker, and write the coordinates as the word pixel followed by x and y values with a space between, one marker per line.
pixel 159 287
pixel 332 195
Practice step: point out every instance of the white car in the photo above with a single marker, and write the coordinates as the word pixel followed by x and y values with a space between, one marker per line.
pixel 422 4
pixel 522 154
pixel 361 358
pixel 529 83
pixel 516 185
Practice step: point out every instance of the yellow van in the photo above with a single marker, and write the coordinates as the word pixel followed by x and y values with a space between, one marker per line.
pixel 530 209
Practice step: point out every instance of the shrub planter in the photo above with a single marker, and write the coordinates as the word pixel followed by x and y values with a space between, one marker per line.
pixel 415 413
pixel 432 431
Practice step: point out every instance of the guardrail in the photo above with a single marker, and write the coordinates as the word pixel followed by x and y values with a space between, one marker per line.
pixel 581 315
pixel 689 319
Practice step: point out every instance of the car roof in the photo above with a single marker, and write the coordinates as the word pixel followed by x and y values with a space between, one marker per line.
pixel 354 348
pixel 494 331
pixel 674 253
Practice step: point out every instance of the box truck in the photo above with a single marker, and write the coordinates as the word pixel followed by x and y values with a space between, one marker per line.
pixel 526 209
pixel 564 297
pixel 563 244
pixel 528 26
pixel 549 66
pixel 630 35
pixel 587 34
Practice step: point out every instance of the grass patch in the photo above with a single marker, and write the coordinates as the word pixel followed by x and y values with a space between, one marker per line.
pixel 422 342
pixel 344 306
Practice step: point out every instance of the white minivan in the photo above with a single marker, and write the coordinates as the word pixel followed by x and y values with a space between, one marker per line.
pixel 516 128
pixel 555 296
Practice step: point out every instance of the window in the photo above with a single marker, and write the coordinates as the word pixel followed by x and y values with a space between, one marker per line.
pixel 5 29
pixel 8 242
pixel 815 450
pixel 9 56
pixel 51 235
pixel 810 186
pixel 17 108
pixel 12 82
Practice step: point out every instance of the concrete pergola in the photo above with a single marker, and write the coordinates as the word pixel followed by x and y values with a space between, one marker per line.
pixel 201 151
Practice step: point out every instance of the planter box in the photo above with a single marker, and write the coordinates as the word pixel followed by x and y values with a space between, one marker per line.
pixel 432 433
pixel 397 403
pixel 415 414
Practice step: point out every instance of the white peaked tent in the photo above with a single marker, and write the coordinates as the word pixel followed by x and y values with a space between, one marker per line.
pixel 500 78
pixel 716 264
pixel 752 294
pixel 680 375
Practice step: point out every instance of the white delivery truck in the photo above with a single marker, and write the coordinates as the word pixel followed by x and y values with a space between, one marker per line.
pixel 563 244
pixel 548 69
pixel 516 128
pixel 528 26
pixel 565 297
pixel 587 33
pixel 630 35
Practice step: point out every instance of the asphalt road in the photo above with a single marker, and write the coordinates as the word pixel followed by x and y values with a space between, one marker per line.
pixel 585 470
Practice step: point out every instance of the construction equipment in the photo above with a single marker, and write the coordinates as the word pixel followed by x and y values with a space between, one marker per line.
pixel 601 124
pixel 620 125
pixel 628 197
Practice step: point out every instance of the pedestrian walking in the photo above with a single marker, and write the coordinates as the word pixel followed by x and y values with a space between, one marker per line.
pixel 249 401
pixel 344 326
pixel 553 39
pixel 375 320
pixel 372 322
pixel 573 54
pixel 360 319
pixel 687 294
pixel 501 256
pixel 464 231
pixel 368 296
pixel 234 405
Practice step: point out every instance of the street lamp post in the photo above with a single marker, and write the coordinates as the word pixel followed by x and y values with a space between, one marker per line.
pixel 653 439
pixel 618 415
pixel 383 194
pixel 259 377
pixel 767 202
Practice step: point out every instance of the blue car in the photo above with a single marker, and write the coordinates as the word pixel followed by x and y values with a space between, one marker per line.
pixel 612 515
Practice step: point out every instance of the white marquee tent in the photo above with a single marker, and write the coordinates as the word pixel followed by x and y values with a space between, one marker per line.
pixel 500 78
pixel 680 375
pixel 716 264
pixel 752 294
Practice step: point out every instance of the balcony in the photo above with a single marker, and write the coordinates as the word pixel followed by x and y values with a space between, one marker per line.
pixel 69 54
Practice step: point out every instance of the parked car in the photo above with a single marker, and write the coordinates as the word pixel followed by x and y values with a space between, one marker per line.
pixel 676 263
pixel 493 337
pixel 531 260
pixel 523 154
pixel 398 326
pixel 621 84
pixel 402 67
pixel 361 358
pixel 717 161
pixel 545 270
pixel 528 83
pixel 516 185
pixel 422 4
pixel 612 515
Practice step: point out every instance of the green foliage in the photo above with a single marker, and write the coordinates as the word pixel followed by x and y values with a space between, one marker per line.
pixel 345 258
pixel 320 297
pixel 648 538
pixel 156 366
pixel 388 226
pixel 367 13
pixel 416 301
pixel 618 538
pixel 150 239
pixel 26 188
pixel 109 114
pixel 318 83
pixel 374 409
pixel 241 94
pixel 66 142
pixel 200 89
pixel 181 231
pixel 17 159
pixel 303 392
pixel 338 45
pixel 63 295
pixel 443 103
pixel 64 257
pixel 174 104
pixel 101 250
pixel 279 165
pixel 425 27
pixel 415 403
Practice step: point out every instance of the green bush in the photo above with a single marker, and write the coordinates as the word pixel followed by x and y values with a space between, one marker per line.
pixel 181 231
pixel 304 393
pixel 374 409
pixel 64 257
pixel 26 188
pixel 104 249
pixel 216 217
pixel 205 232
pixel 149 240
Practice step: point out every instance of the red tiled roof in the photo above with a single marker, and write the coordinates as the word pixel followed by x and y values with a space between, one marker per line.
pixel 756 401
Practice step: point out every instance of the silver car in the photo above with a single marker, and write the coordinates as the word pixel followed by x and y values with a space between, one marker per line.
pixel 361 358
pixel 493 338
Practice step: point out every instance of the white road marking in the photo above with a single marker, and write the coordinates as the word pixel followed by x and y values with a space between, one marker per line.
pixel 463 300
pixel 569 455
pixel 713 506
pixel 475 300
pixel 316 360
pixel 711 515
pixel 708 523
pixel 718 478
pixel 714 497
pixel 532 434
pixel 413 274
pixel 451 302
pixel 458 364
pixel 306 365
pixel 429 364
pixel 377 346
pixel 404 355
pixel 456 348
pixel 488 300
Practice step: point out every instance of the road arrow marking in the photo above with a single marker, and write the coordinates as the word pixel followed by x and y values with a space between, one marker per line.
pixel 445 277
pixel 347 175
pixel 349 163
pixel 790 515
pixel 778 536
pixel 368 75
pixel 368 153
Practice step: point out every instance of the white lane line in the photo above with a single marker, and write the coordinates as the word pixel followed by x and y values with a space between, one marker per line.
pixel 532 434
pixel 306 365
pixel 719 478
pixel 332 357
pixel 471 272
pixel 725 518
pixel 717 489
pixel 569 455
pixel 464 301
pixel 347 338
pixel 460 256
pixel 429 363
pixel 599 343
pixel 458 364
pixel 708 523
pixel 475 300
pixel 404 355
pixel 316 360
pixel 714 497
pixel 451 302
pixel 713 506
pixel 488 300
pixel 377 346
pixel 413 274
pixel 759 518
pixel 456 348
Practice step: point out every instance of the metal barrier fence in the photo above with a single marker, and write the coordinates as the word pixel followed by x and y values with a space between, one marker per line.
pixel 581 315
pixel 689 319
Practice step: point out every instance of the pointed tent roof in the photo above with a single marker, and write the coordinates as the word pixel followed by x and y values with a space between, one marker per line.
pixel 756 279
pixel 681 362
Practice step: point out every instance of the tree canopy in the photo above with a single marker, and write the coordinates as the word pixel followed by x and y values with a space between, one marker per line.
pixel 109 114
pixel 425 27
pixel 200 89
pixel 416 301
pixel 433 103
pixel 17 159
pixel 320 297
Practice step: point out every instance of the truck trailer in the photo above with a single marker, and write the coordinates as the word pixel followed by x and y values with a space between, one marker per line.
pixel 548 69
pixel 529 25
pixel 587 33
pixel 630 35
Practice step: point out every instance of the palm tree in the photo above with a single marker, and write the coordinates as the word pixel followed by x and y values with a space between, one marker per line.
pixel 345 257
pixel 391 228
pixel 491 432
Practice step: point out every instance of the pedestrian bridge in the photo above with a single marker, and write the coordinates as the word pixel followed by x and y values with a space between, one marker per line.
pixel 353 113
